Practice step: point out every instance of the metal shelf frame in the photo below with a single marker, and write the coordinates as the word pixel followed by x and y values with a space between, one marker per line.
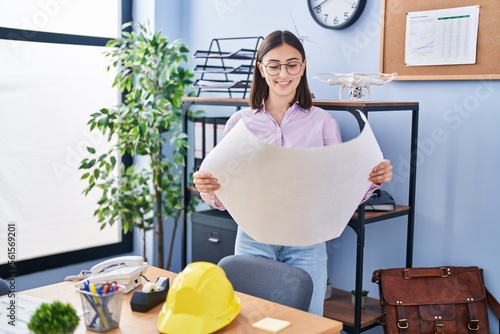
pixel 362 218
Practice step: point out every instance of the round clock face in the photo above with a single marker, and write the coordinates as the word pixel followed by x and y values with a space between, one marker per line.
pixel 336 14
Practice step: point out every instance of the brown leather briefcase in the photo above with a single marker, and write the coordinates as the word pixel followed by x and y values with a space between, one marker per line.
pixel 433 300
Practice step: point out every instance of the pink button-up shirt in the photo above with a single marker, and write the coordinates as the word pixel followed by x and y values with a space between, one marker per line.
pixel 299 128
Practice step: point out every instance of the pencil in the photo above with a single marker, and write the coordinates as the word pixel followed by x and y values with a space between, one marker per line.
pixel 98 305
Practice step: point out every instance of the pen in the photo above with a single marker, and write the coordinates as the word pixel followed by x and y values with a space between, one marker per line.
pixel 92 323
pixel 98 305
pixel 113 287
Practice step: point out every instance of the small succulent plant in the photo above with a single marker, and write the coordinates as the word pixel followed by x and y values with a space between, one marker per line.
pixel 364 293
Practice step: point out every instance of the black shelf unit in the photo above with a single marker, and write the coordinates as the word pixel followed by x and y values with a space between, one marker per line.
pixel 358 320
pixel 227 72
pixel 207 133
pixel 362 218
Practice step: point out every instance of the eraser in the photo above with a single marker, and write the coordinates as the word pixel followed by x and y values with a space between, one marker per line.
pixel 271 325
pixel 149 287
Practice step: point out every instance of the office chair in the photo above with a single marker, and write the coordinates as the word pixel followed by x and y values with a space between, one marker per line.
pixel 4 287
pixel 268 279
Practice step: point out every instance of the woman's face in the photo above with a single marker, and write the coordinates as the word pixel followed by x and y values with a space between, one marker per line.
pixel 286 66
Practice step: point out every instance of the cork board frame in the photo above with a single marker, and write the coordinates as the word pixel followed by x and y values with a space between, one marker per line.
pixel 392 48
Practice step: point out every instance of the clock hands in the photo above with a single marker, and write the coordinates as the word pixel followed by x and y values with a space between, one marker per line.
pixel 337 14
pixel 352 3
pixel 319 5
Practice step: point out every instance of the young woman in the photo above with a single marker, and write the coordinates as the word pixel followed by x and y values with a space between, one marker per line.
pixel 281 113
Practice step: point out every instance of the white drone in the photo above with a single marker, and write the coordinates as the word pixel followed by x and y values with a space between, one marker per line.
pixel 359 83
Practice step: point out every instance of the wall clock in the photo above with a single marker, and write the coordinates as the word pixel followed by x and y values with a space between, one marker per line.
pixel 336 14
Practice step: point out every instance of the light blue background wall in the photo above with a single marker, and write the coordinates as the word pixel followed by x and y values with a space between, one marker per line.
pixel 457 178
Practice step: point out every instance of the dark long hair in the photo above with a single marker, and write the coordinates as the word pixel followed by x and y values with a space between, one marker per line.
pixel 260 90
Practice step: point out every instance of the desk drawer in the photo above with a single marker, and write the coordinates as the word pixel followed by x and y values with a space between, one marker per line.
pixel 213 235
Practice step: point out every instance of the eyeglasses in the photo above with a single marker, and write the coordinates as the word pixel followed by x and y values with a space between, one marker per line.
pixel 273 68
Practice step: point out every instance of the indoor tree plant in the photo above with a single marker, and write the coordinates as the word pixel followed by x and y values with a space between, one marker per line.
pixel 147 123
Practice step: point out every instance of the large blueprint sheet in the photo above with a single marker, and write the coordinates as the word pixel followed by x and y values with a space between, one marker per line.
pixel 292 196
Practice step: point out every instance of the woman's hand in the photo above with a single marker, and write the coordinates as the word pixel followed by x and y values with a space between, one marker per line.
pixel 382 173
pixel 205 182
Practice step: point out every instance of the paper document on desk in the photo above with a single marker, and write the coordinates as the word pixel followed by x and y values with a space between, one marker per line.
pixel 292 196
pixel 16 312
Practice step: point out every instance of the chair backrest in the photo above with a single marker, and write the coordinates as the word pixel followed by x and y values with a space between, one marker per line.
pixel 268 279
pixel 4 287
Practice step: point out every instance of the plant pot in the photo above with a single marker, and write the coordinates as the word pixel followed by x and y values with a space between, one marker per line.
pixel 328 292
pixel 363 300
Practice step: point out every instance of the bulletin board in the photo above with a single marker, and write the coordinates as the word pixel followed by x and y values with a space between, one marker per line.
pixel 392 49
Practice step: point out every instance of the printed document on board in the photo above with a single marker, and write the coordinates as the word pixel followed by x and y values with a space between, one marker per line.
pixel 442 37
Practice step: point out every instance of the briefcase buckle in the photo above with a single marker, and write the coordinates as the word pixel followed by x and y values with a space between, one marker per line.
pixel 403 323
pixel 446 272
pixel 473 325
pixel 438 329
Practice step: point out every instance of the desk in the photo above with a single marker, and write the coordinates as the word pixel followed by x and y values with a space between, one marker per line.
pixel 252 310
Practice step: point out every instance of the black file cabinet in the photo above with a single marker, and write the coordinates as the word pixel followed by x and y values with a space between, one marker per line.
pixel 213 235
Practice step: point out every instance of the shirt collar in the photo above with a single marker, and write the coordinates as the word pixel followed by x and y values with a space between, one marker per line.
pixel 294 107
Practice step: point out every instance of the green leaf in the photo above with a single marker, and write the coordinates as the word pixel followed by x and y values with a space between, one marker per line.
pixel 53 318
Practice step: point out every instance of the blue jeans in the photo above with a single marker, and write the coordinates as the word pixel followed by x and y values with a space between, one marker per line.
pixel 312 259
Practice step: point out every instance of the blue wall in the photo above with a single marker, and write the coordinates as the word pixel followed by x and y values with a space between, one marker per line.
pixel 457 181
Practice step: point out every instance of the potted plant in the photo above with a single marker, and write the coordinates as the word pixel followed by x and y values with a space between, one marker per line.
pixel 328 293
pixel 148 124
pixel 54 318
pixel 364 296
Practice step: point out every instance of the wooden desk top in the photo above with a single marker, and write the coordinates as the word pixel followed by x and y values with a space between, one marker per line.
pixel 252 310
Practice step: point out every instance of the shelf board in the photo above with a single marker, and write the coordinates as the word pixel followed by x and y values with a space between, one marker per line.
pixel 400 209
pixel 240 54
pixel 213 69
pixel 376 214
pixel 327 104
pixel 221 84
pixel 339 307
pixel 242 69
pixel 192 189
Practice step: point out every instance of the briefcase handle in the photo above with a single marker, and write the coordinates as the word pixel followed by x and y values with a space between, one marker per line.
pixel 410 273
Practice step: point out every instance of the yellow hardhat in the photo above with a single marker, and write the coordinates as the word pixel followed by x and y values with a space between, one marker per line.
pixel 201 300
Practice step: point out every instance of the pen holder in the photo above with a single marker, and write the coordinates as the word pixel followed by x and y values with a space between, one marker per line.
pixel 102 312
